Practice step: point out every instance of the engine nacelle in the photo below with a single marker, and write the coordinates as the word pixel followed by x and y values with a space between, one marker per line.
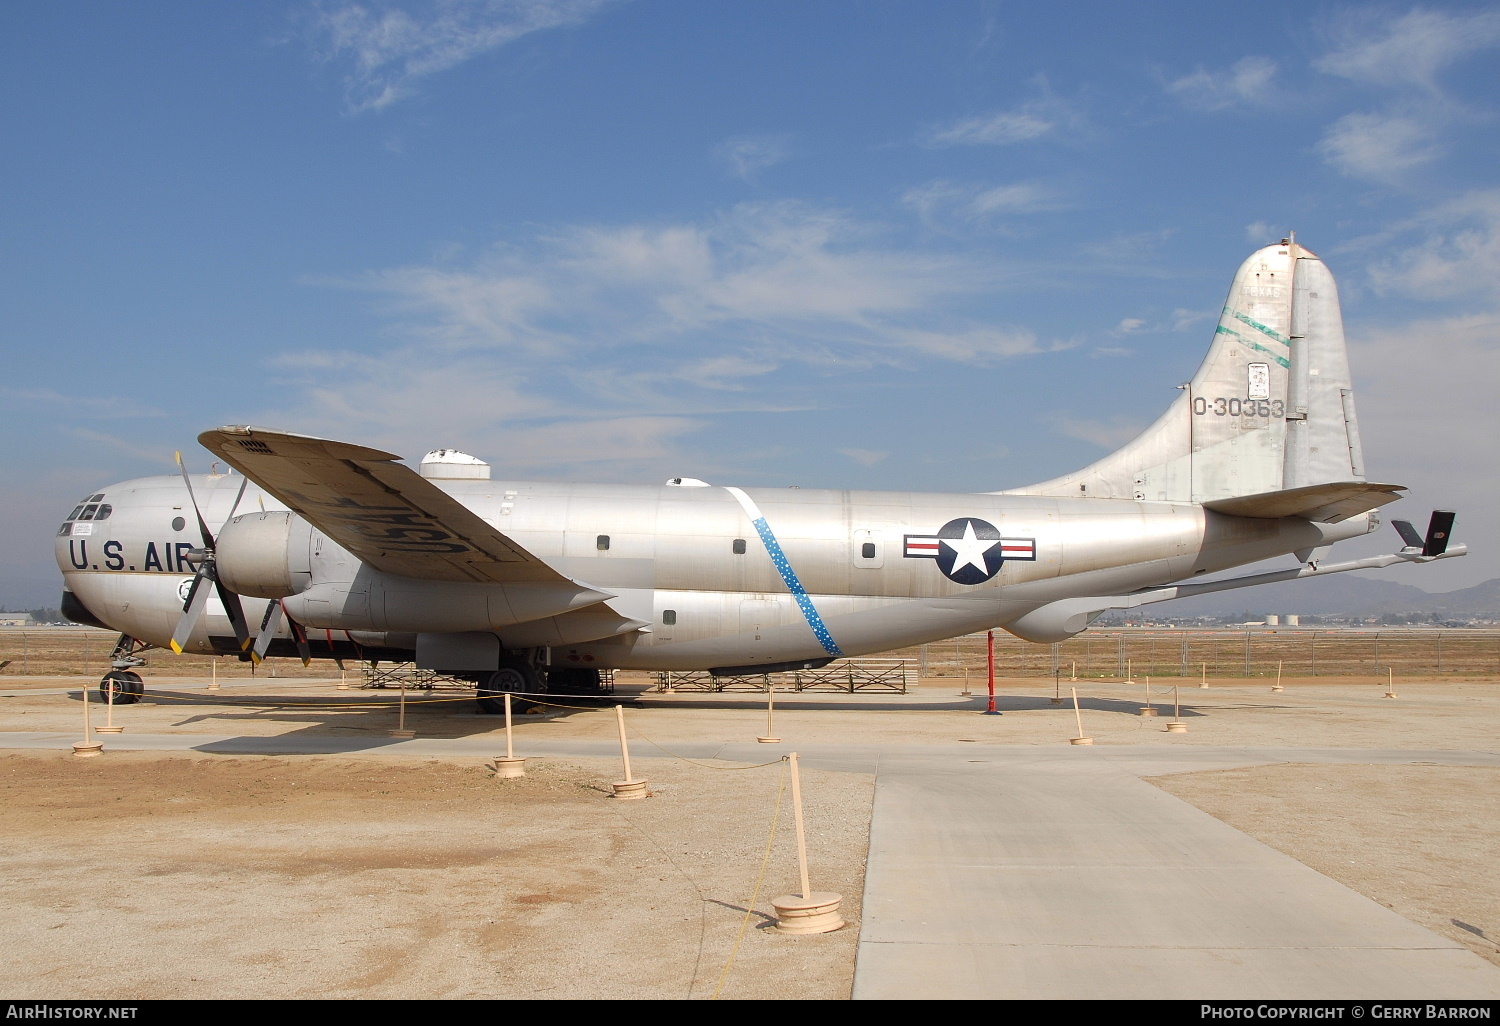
pixel 265 554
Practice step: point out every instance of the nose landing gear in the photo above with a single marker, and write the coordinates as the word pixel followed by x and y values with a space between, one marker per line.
pixel 122 680
pixel 126 685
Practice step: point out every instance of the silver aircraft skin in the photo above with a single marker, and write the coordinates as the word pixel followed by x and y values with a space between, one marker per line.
pixel 336 550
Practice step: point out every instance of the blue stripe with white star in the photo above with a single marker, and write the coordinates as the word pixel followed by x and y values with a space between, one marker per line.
pixel 788 575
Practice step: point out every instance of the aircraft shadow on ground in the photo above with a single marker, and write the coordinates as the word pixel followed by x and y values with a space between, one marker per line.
pixel 369 712
pixel 335 718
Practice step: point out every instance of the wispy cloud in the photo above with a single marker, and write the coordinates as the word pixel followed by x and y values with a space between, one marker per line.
pixel 864 457
pixel 1263 234
pixel 1247 82
pixel 163 455
pixel 997 129
pixel 1137 248
pixel 1107 434
pixel 942 201
pixel 1183 319
pixel 90 407
pixel 1378 147
pixel 748 155
pixel 759 268
pixel 1446 368
pixel 1410 50
pixel 1451 250
pixel 1048 114
pixel 653 326
pixel 388 46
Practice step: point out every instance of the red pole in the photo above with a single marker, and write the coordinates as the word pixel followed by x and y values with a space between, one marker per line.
pixel 992 710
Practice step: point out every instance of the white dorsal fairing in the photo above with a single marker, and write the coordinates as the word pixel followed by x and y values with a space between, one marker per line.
pixel 1271 408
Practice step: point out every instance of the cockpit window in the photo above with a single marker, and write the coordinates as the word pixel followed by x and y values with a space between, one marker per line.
pixel 89 511
pixel 76 510
pixel 105 509
pixel 97 498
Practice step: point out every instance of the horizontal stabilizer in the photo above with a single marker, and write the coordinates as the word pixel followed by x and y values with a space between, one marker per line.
pixel 385 513
pixel 1323 503
pixel 1408 533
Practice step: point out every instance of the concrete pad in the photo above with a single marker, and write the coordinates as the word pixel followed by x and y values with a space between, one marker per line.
pixel 1011 876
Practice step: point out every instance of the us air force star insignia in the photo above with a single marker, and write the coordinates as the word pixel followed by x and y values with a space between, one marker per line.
pixel 968 550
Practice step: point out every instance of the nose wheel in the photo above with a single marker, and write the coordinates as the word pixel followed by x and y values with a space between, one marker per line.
pixel 126 685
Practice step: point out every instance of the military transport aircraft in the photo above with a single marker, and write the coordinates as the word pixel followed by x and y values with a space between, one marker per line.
pixel 332 550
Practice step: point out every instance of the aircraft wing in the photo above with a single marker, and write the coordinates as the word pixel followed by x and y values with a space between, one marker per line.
pixel 1324 503
pixel 386 514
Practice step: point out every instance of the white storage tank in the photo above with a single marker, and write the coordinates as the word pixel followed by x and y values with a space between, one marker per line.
pixel 454 465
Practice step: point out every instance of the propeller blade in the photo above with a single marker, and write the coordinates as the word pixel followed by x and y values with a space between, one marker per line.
pixel 237 497
pixel 269 625
pixel 300 637
pixel 1439 528
pixel 192 611
pixel 208 538
pixel 1408 533
pixel 235 610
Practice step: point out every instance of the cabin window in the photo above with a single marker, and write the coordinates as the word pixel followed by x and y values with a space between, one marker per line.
pixel 867 550
pixel 178 523
pixel 669 617
pixel 739 546
pixel 602 543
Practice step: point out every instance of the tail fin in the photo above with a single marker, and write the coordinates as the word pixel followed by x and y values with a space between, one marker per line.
pixel 1270 410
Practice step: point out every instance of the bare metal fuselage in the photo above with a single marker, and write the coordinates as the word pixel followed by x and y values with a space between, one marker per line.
pixel 689 580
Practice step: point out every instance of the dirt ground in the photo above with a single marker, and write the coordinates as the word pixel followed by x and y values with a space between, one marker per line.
pixel 1418 839
pixel 148 875
pixel 143 876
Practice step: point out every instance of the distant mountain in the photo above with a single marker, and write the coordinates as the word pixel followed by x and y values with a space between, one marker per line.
pixel 1342 595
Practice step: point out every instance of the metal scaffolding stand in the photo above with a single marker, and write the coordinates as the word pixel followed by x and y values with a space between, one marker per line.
pixel 847 675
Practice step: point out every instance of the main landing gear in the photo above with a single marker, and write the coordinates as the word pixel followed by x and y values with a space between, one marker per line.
pixel 515 675
pixel 520 676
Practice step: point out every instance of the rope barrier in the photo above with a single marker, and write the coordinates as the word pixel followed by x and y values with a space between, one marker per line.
pixel 750 905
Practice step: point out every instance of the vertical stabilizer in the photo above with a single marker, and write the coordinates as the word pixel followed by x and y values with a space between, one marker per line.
pixel 1270 408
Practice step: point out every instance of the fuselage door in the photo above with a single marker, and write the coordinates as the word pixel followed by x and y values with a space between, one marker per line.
pixel 757 615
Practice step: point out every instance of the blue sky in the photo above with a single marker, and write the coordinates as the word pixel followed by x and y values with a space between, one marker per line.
pixel 958 246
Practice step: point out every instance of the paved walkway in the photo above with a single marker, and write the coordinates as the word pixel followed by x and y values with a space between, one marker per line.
pixel 1043 874
pixel 1038 872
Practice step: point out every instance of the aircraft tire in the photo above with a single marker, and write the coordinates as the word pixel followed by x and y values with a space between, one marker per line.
pixel 126 685
pixel 514 675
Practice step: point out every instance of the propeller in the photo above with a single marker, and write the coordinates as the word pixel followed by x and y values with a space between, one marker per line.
pixel 206 576
pixel 1439 530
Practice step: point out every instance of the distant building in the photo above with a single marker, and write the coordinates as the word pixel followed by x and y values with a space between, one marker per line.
pixel 16 620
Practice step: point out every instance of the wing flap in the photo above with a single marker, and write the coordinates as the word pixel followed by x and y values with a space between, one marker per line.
pixel 385 513
pixel 1323 503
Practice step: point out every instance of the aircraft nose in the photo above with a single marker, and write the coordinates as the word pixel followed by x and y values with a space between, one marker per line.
pixel 90 508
